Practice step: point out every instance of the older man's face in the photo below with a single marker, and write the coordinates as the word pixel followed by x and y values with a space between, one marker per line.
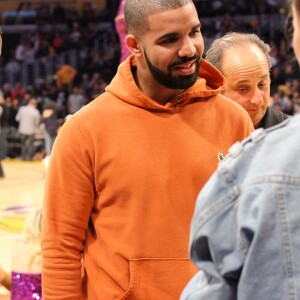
pixel 246 70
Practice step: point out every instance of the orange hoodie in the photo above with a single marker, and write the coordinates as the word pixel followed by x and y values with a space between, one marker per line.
pixel 124 175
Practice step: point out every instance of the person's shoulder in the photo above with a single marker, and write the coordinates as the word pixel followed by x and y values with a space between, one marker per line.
pixel 262 135
pixel 266 148
pixel 231 108
pixel 227 102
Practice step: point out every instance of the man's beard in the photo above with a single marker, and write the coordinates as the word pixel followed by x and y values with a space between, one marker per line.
pixel 175 82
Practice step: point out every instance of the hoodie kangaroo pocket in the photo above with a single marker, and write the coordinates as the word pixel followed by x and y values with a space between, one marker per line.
pixel 158 278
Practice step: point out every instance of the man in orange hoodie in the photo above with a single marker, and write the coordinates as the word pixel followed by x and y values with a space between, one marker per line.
pixel 125 170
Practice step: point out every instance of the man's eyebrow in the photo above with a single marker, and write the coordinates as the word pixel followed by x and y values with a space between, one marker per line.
pixel 241 81
pixel 173 34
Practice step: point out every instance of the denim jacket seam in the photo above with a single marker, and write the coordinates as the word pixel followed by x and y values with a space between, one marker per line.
pixel 286 244
pixel 274 178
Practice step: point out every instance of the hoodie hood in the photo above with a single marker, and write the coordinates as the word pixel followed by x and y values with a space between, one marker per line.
pixel 209 83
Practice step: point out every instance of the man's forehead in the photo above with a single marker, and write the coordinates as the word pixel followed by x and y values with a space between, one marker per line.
pixel 244 56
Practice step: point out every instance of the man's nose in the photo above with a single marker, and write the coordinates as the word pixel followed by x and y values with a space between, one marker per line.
pixel 187 49
pixel 257 97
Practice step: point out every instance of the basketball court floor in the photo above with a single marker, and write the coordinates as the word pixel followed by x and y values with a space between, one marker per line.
pixel 21 189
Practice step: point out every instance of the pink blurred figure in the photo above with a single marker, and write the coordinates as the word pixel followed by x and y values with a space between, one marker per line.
pixel 121 30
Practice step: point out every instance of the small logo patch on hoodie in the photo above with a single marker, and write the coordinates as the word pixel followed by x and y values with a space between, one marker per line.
pixel 220 156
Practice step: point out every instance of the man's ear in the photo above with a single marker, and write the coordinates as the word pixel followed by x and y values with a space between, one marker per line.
pixel 133 44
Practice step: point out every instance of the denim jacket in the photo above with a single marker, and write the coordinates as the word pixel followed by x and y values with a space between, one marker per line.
pixel 245 232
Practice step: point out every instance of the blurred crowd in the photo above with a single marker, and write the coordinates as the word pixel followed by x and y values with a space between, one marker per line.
pixel 68 56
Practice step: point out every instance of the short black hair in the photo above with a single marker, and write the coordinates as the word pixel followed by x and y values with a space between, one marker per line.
pixel 136 12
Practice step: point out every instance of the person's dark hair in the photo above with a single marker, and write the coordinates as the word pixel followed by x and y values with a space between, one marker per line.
pixel 1 40
pixel 214 54
pixel 136 12
pixel 289 28
pixel 288 35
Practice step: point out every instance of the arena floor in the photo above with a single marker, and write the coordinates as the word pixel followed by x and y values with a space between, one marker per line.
pixel 21 189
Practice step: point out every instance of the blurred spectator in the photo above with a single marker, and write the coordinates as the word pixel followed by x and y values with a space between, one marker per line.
pixel 97 86
pixel 57 41
pixel 43 48
pixel 89 11
pixel 76 100
pixel 297 105
pixel 121 30
pixel 3 131
pixel 20 50
pixel 49 119
pixel 6 90
pixel 95 79
pixel 95 62
pixel 75 35
pixel 29 119
pixel 277 78
pixel 60 105
pixel 18 91
pixel 64 76
pixel 59 13
pixel 44 13
pixel 85 82
pixel 29 52
pixel 12 70
pixel 26 259
pixel 282 103
pixel 13 107
pixel 13 136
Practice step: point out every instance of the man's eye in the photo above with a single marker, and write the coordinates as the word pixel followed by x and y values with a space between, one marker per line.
pixel 195 32
pixel 169 41
pixel 263 84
